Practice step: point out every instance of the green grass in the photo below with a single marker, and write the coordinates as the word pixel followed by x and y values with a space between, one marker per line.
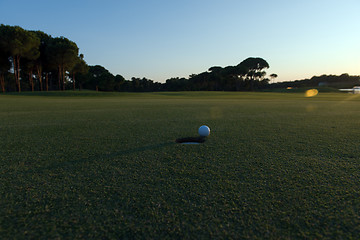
pixel 91 166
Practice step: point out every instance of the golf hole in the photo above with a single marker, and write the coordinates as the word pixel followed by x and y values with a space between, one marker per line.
pixel 190 140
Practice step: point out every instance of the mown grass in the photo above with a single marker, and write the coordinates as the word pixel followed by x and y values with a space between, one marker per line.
pixel 276 165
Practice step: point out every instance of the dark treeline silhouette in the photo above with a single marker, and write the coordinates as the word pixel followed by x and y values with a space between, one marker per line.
pixel 36 61
pixel 342 81
pixel 247 75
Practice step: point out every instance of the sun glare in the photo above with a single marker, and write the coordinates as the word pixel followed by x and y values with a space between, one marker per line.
pixel 311 93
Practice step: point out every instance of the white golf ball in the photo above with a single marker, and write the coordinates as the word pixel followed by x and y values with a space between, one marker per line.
pixel 204 131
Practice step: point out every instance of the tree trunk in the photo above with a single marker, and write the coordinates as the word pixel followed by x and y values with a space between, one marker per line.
pixel 16 62
pixel 2 82
pixel 39 73
pixel 18 73
pixel 63 78
pixel 60 78
pixel 31 80
pixel 74 81
pixel 15 71
pixel 47 81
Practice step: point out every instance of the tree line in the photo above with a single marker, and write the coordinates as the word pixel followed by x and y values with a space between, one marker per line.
pixel 36 61
pixel 246 76
pixel 342 81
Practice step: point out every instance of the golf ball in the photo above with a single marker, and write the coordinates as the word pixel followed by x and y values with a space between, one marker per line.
pixel 204 131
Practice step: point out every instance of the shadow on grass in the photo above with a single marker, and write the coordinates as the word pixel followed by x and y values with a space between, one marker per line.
pixel 91 158
pixel 140 149
pixel 191 140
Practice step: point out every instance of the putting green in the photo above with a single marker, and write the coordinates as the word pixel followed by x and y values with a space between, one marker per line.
pixel 103 165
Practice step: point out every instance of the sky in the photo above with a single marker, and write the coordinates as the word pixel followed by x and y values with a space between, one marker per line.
pixel 160 39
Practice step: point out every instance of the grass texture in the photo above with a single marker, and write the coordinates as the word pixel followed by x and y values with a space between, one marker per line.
pixel 106 166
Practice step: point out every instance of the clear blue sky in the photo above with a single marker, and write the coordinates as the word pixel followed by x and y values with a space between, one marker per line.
pixel 159 39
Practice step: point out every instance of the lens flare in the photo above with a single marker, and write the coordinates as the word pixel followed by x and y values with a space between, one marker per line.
pixel 311 93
